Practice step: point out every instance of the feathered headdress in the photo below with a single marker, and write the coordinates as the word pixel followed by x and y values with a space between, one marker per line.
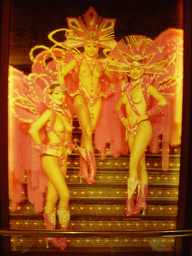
pixel 88 27
pixel 141 49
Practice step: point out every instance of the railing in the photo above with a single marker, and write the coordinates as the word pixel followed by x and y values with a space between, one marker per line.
pixel 58 233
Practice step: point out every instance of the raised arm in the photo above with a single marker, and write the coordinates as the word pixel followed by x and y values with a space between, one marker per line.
pixel 68 67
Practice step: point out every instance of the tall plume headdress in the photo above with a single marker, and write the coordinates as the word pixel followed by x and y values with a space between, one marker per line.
pixel 141 49
pixel 90 26
pixel 59 81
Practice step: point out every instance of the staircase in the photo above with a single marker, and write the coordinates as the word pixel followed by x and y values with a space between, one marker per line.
pixel 101 207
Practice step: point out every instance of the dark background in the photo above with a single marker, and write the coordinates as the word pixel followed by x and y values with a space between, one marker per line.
pixel 32 21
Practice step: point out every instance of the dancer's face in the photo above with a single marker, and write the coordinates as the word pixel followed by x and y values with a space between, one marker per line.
pixel 136 71
pixel 58 96
pixel 91 48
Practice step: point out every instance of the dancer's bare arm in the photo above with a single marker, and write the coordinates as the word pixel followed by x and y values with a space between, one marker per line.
pixel 161 100
pixel 34 130
pixel 119 105
pixel 157 95
pixel 68 67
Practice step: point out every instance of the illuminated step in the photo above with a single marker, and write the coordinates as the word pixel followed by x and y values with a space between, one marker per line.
pixel 111 177
pixel 100 225
pixel 152 161
pixel 95 244
pixel 116 193
pixel 26 211
pixel 112 210
pixel 104 177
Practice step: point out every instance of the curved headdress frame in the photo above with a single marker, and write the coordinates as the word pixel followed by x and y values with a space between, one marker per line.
pixel 90 26
pixel 141 49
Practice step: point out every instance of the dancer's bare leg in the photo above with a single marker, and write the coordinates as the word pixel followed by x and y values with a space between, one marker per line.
pixel 63 170
pixel 96 113
pixel 138 146
pixel 51 199
pixel 57 184
pixel 142 171
pixel 84 120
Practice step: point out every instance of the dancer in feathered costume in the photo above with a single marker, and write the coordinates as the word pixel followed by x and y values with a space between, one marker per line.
pixel 39 105
pixel 93 82
pixel 87 84
pixel 93 87
pixel 171 85
pixel 149 73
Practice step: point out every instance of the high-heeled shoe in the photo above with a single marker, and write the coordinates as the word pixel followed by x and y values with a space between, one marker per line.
pixel 141 199
pixel 83 172
pixel 50 222
pixel 64 217
pixel 92 166
pixel 89 158
pixel 131 187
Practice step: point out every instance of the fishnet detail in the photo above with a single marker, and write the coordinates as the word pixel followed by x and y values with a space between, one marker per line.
pixel 131 185
pixel 64 217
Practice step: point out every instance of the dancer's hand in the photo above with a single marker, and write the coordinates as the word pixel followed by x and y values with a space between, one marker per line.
pixel 125 122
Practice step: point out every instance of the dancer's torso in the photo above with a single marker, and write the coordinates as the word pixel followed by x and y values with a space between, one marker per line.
pixel 57 134
pixel 89 72
pixel 135 101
